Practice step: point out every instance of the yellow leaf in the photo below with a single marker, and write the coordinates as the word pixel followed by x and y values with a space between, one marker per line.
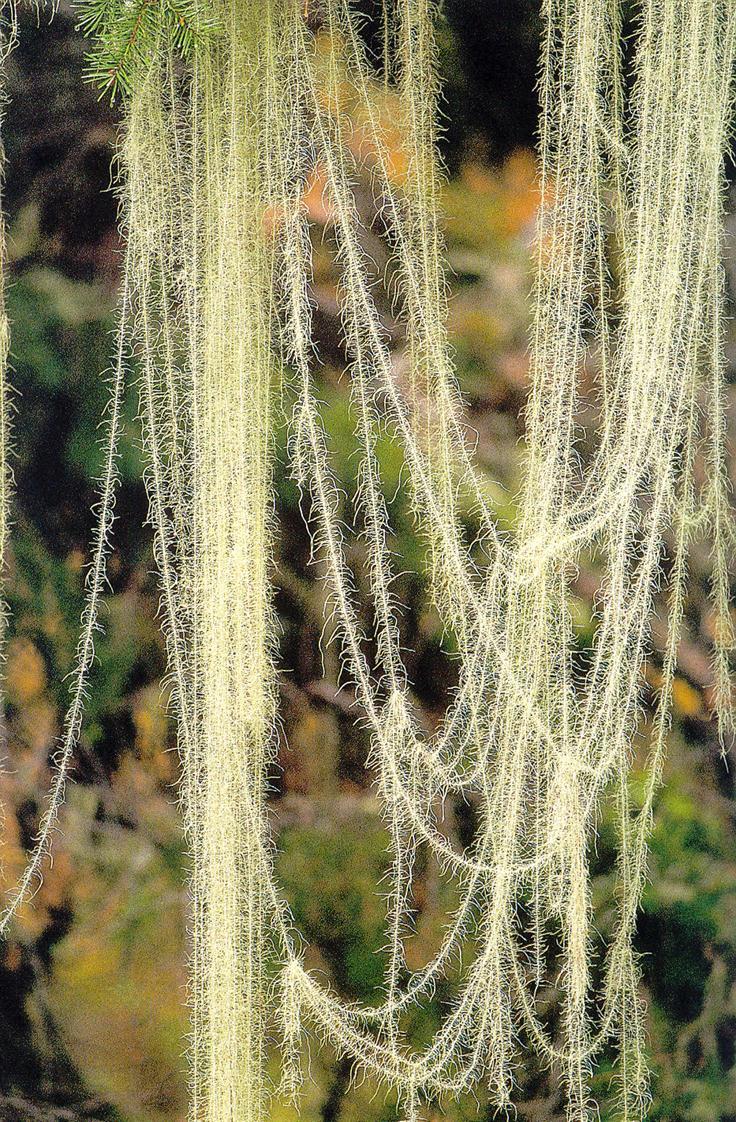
pixel 686 699
pixel 26 671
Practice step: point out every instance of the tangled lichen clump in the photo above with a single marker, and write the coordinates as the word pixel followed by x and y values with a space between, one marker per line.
pixel 218 148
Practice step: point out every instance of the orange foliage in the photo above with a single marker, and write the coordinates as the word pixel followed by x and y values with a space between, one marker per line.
pixel 512 197
pixel 25 674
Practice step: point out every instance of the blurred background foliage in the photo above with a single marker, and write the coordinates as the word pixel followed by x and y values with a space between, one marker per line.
pixel 92 982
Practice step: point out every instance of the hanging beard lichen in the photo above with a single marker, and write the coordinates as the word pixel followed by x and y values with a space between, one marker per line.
pixel 199 264
pixel 226 118
pixel 105 512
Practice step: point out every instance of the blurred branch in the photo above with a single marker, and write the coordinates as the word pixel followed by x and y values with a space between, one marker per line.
pixel 14 1109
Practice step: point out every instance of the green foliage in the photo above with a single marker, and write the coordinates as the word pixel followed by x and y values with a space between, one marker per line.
pixel 61 343
pixel 129 33
pixel 330 875
pixel 686 932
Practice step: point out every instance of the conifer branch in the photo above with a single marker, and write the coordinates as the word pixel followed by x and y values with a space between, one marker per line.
pixel 128 34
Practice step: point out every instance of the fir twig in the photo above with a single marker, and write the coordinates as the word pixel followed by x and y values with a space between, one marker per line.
pixel 128 34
